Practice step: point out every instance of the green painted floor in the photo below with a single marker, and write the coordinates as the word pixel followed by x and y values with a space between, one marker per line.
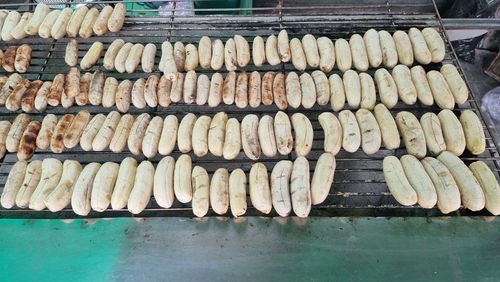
pixel 256 249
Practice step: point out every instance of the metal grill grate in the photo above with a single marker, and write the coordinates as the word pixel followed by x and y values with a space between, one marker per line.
pixel 358 188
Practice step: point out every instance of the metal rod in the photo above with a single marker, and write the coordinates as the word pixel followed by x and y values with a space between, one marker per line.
pixel 333 5
pixel 474 23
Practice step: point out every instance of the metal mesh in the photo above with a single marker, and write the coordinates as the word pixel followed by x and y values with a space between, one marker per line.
pixel 359 187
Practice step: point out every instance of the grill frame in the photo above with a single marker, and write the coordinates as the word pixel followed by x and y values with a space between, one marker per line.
pixel 358 189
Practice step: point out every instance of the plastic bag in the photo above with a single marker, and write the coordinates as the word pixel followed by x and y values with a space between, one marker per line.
pixel 472 9
pixel 182 8
pixel 490 103
pixel 466 48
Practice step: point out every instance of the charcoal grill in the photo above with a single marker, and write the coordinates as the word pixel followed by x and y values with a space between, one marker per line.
pixel 359 188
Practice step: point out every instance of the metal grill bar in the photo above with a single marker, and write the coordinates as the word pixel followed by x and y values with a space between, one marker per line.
pixel 359 188
pixel 361 7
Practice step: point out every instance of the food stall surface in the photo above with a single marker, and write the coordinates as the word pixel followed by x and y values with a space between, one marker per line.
pixel 251 249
